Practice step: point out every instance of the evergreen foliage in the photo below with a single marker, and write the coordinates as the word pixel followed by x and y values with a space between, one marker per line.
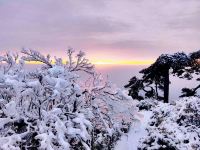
pixel 157 76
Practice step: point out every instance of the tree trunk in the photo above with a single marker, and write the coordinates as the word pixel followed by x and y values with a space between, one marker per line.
pixel 166 86
pixel 156 91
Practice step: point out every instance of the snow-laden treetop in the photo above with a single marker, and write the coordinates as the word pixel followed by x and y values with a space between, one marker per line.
pixel 51 107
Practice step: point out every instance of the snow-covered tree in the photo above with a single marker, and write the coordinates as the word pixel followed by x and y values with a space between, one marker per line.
pixel 156 76
pixel 49 108
pixel 112 108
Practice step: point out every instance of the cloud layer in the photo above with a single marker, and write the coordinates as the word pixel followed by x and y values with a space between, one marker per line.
pixel 114 29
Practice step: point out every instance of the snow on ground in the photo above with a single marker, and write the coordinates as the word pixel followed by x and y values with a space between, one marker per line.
pixel 137 131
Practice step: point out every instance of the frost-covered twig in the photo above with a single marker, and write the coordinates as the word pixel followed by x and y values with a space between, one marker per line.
pixel 32 55
pixel 10 60
pixel 81 63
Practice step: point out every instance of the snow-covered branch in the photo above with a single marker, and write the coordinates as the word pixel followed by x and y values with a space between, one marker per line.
pixel 79 63
pixel 35 56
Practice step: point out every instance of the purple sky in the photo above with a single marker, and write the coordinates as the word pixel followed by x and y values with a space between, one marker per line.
pixel 104 29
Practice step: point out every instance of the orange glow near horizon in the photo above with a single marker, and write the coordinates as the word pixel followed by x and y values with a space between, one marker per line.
pixel 122 62
pixel 110 62
pixel 105 59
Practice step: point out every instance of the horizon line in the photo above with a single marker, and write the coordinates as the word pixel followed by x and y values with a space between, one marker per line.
pixel 102 62
pixel 106 62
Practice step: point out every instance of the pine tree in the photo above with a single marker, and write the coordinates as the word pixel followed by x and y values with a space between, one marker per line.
pixel 157 75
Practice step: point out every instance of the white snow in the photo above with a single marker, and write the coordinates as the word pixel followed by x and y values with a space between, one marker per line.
pixel 137 131
pixel 48 105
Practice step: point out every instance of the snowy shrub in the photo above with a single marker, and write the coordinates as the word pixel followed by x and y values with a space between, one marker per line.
pixel 147 104
pixel 174 127
pixel 51 108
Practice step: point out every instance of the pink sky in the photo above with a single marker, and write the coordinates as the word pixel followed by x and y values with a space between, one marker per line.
pixel 112 30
